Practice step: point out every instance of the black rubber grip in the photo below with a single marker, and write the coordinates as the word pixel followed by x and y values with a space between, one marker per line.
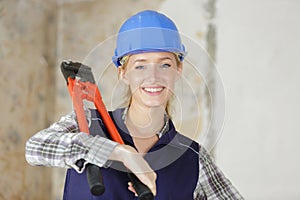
pixel 141 189
pixel 95 180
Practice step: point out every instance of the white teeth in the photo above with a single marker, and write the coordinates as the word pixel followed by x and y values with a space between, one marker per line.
pixel 153 89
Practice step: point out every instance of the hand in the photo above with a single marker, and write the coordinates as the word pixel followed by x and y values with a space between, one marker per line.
pixel 135 162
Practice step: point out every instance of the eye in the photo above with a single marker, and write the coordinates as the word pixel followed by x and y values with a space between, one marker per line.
pixel 140 67
pixel 165 66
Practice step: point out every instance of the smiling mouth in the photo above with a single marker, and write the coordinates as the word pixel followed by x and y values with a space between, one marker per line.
pixel 153 90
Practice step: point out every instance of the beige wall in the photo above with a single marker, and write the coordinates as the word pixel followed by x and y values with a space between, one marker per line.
pixel 258 58
pixel 26 63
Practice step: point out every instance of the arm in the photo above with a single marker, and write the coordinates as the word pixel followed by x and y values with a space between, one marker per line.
pixel 212 184
pixel 61 145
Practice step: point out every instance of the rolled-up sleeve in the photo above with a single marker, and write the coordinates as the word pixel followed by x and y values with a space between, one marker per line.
pixel 62 145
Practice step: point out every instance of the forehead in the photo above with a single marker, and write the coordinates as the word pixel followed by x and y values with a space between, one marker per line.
pixel 152 57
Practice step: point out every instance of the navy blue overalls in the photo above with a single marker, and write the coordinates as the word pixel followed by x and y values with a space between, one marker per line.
pixel 174 158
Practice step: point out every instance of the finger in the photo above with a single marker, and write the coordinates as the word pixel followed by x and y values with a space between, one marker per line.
pixel 131 188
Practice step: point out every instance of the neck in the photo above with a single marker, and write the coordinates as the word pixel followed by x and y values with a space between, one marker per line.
pixel 145 122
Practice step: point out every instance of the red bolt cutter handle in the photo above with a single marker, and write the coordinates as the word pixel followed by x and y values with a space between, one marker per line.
pixel 84 87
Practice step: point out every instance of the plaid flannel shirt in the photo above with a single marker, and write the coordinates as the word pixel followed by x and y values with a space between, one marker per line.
pixel 62 145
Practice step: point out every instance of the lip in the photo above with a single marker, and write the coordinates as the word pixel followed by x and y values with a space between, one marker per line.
pixel 153 90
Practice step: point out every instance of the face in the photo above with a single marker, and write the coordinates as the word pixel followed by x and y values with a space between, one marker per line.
pixel 151 77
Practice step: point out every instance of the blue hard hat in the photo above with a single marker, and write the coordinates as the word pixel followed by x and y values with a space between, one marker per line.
pixel 148 31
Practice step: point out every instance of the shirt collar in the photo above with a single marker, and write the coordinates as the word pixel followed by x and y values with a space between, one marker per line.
pixel 168 137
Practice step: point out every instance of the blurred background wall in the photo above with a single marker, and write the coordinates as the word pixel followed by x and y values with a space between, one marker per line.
pixel 27 60
pixel 254 44
pixel 258 58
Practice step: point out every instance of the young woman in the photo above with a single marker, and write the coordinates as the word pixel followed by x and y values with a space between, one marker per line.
pixel 149 56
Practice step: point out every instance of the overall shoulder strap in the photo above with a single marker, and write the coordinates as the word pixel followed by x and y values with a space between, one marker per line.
pixel 96 125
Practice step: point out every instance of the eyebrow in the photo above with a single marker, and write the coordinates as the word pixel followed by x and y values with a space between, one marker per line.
pixel 160 59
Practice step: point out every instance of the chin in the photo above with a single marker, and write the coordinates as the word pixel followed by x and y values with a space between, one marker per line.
pixel 155 104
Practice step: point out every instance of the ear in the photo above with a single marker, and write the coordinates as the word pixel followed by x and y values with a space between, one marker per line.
pixel 122 75
pixel 179 71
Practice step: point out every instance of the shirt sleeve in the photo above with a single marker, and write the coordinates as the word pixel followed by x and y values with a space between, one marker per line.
pixel 212 183
pixel 62 145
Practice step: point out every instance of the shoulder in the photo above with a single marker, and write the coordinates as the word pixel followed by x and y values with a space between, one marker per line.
pixel 185 143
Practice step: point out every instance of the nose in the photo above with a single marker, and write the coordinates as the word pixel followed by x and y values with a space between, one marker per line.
pixel 153 73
